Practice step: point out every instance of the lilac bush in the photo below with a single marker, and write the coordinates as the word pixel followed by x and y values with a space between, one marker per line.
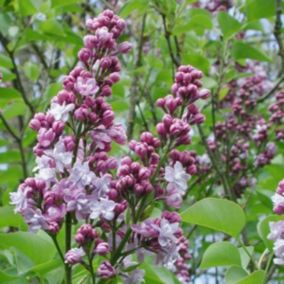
pixel 101 200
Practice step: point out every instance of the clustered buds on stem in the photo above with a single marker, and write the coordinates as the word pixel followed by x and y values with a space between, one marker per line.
pixel 75 175
pixel 241 139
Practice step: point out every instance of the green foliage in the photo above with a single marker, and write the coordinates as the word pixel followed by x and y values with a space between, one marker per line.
pixel 228 25
pixel 242 50
pixel 220 254
pixel 217 214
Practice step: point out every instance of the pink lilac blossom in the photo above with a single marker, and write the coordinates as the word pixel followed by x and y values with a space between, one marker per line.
pixel 77 178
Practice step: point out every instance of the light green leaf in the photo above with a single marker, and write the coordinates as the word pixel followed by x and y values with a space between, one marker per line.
pixel 257 9
pixel 228 25
pixel 131 5
pixel 9 94
pixel 10 218
pixel 11 156
pixel 26 7
pixel 245 259
pixel 5 61
pixel 234 274
pixel 257 277
pixel 242 50
pixel 61 3
pixel 197 60
pixel 217 214
pixel 32 70
pixel 220 254
pixel 14 109
pixel 37 247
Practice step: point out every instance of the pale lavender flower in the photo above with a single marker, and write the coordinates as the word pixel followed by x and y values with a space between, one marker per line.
pixel 35 219
pixel 278 203
pixel 86 86
pixel 279 252
pixel 60 112
pixel 103 208
pixel 276 230
pixel 74 256
pixel 166 233
pixel 81 174
pixel 177 177
pixel 19 200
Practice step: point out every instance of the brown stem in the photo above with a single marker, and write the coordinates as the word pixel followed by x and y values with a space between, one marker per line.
pixel 175 59
pixel 271 92
pixel 17 81
pixel 278 33
pixel 19 142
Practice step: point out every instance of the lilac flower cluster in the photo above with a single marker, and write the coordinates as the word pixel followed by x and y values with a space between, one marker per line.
pixel 277 228
pixel 277 115
pixel 214 5
pixel 78 182
pixel 244 128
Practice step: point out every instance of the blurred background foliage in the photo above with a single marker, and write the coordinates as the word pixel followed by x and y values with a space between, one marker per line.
pixel 39 40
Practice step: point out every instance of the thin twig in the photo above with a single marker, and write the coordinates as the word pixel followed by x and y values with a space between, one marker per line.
pixel 17 82
pixel 133 95
pixel 19 142
pixel 271 92
pixel 278 33
pixel 175 59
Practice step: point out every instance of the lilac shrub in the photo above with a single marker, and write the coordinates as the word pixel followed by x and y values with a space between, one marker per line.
pixel 80 186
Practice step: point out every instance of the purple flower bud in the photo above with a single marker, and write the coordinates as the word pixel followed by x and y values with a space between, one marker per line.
pixel 74 256
pixel 106 270
pixel 125 47
pixel 102 248
pixel 84 55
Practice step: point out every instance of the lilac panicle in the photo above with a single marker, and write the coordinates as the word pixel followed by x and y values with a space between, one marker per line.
pixel 76 175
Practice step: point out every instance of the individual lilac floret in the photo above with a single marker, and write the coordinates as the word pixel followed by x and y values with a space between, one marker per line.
pixel 177 179
pixel 278 199
pixel 106 270
pixel 74 256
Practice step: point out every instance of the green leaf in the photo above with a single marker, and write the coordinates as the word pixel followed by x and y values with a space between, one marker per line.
pixel 10 157
pixel 9 94
pixel 37 247
pixel 242 50
pixel 14 109
pixel 245 259
pixel 61 3
pixel 228 25
pixel 197 60
pixel 26 7
pixel 234 274
pixel 32 70
pixel 5 61
pixel 257 9
pixel 10 218
pixel 131 5
pixel 257 277
pixel 263 229
pixel 157 275
pixel 220 254
pixel 217 214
